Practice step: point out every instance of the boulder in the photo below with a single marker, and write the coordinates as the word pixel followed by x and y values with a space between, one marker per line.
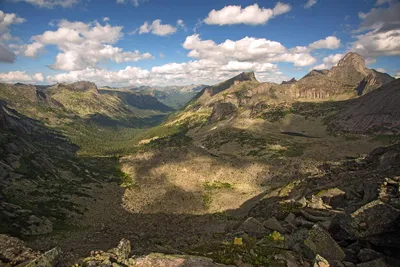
pixel 48 259
pixel 274 225
pixel 123 250
pixel 253 227
pixel 320 242
pixel 375 263
pixel 334 197
pixel 367 254
pixel 157 259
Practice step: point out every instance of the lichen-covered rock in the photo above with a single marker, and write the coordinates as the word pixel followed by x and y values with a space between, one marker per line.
pixel 375 263
pixel 48 259
pixel 162 260
pixel 123 250
pixel 319 261
pixel 14 250
pixel 274 225
pixel 320 242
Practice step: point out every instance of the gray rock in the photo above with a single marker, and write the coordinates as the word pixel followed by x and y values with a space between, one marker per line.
pixel 48 259
pixel 367 254
pixel 290 218
pixel 274 225
pixel 253 227
pixel 320 242
pixel 375 263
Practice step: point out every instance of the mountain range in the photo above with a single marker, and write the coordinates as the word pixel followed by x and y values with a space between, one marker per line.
pixel 244 173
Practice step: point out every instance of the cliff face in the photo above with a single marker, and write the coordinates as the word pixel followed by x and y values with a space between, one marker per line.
pixel 375 112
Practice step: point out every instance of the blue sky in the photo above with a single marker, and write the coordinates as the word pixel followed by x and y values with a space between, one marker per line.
pixel 184 41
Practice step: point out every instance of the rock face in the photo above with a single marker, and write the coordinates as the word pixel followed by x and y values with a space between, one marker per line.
pixel 349 78
pixel 222 111
pixel 377 112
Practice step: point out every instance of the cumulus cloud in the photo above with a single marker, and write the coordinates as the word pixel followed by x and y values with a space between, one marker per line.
pixel 6 20
pixel 252 15
pixel 329 62
pixel 381 2
pixel 310 3
pixel 83 45
pixel 379 32
pixel 157 28
pixel 50 3
pixel 20 76
pixel 247 49
pixel 330 42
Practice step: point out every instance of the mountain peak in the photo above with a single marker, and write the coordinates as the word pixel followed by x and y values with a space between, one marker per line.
pixel 79 86
pixel 352 59
pixel 245 76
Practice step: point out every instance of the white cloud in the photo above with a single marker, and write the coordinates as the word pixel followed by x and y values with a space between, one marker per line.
pixel 134 2
pixel 20 76
pixel 379 32
pixel 381 70
pixel 252 15
pixel 330 42
pixel 381 2
pixel 162 55
pixel 247 49
pixel 83 45
pixel 329 62
pixel 159 29
pixel 397 75
pixel 50 3
pixel 6 20
pixel 105 19
pixel 310 3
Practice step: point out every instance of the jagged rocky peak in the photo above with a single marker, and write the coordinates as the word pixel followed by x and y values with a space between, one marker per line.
pixel 293 80
pixel 353 59
pixel 246 76
pixel 79 86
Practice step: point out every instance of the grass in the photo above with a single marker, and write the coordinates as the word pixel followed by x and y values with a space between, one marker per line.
pixel 207 201
pixel 215 185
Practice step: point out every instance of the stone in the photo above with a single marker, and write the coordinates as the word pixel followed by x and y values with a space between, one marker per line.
pixel 320 242
pixel 334 197
pixel 297 237
pixel 374 218
pixel 319 261
pixel 367 254
pixel 315 203
pixel 48 259
pixel 290 218
pixel 157 259
pixel 375 263
pixel 274 225
pixel 253 227
pixel 123 250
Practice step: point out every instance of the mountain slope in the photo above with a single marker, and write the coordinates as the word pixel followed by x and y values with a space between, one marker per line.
pixel 375 112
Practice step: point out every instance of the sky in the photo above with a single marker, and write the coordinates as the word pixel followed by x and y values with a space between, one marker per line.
pixel 180 42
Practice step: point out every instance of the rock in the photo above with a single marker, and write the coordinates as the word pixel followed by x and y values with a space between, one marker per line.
pixel 290 218
pixel 375 263
pixel 48 259
pixel 222 111
pixel 319 261
pixel 315 203
pixel 367 254
pixel 374 218
pixel 297 237
pixel 253 227
pixel 14 250
pixel 320 242
pixel 274 225
pixel 156 259
pixel 334 197
pixel 123 250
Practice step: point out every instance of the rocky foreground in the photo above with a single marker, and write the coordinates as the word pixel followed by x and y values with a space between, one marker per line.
pixel 348 216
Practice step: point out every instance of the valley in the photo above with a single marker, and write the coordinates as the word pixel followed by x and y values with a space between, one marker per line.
pixel 291 171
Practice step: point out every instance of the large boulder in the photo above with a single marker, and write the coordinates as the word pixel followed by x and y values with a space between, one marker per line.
pixel 48 259
pixel 320 242
pixel 253 227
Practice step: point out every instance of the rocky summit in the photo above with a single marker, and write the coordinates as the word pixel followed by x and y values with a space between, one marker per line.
pixel 245 173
